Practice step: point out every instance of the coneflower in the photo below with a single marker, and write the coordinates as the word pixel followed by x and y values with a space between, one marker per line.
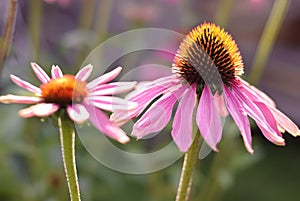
pixel 206 69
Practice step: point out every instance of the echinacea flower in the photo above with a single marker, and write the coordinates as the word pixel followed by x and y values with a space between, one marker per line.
pixel 206 82
pixel 81 100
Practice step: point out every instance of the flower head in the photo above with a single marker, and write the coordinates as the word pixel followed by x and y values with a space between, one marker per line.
pixel 206 82
pixel 82 100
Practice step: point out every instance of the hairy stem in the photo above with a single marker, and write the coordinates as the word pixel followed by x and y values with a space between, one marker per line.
pixel 67 138
pixel 188 167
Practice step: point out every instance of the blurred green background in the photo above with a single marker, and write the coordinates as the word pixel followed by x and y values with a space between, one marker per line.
pixel 66 31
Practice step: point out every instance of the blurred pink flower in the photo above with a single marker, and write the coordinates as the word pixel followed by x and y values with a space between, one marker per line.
pixel 81 100
pixel 206 68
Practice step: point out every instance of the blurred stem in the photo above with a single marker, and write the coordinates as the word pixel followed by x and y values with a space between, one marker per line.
pixel 8 32
pixel 67 138
pixel 267 39
pixel 35 16
pixel 85 24
pixel 87 13
pixel 104 10
pixel 224 11
pixel 188 167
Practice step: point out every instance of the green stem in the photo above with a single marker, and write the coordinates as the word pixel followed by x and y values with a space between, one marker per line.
pixel 67 138
pixel 8 32
pixel 35 16
pixel 188 167
pixel 85 24
pixel 267 40
pixel 224 11
pixel 104 11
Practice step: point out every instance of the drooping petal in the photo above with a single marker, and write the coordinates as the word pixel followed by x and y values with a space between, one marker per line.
pixel 110 103
pixel 40 73
pixel 20 99
pixel 112 88
pixel 25 85
pixel 239 116
pixel 107 77
pixel 276 136
pixel 39 110
pixel 77 113
pixel 84 73
pixel 261 113
pixel 102 123
pixel 220 105
pixel 285 123
pixel 56 72
pixel 208 119
pixel 182 131
pixel 158 115
pixel 260 96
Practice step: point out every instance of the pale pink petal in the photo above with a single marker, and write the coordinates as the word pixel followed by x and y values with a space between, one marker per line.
pixel 112 88
pixel 143 96
pixel 84 73
pixel 110 103
pixel 285 123
pixel 278 140
pixel 158 115
pixel 102 123
pixel 208 119
pixel 77 113
pixel 275 136
pixel 25 85
pixel 20 99
pixel 156 87
pixel 239 116
pixel 260 112
pixel 40 73
pixel 107 77
pixel 182 131
pixel 220 104
pixel 39 110
pixel 56 72
pixel 261 96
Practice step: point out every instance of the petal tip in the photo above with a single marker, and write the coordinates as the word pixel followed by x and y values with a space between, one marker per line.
pixel 124 139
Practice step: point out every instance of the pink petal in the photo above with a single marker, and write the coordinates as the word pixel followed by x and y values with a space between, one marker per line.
pixel 143 96
pixel 274 136
pixel 77 113
pixel 39 110
pixel 208 119
pixel 20 99
pixel 25 85
pixel 240 118
pixel 220 105
pixel 182 131
pixel 110 103
pixel 158 115
pixel 260 112
pixel 104 78
pixel 56 72
pixel 84 73
pixel 261 96
pixel 285 123
pixel 40 73
pixel 102 123
pixel 275 139
pixel 113 88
